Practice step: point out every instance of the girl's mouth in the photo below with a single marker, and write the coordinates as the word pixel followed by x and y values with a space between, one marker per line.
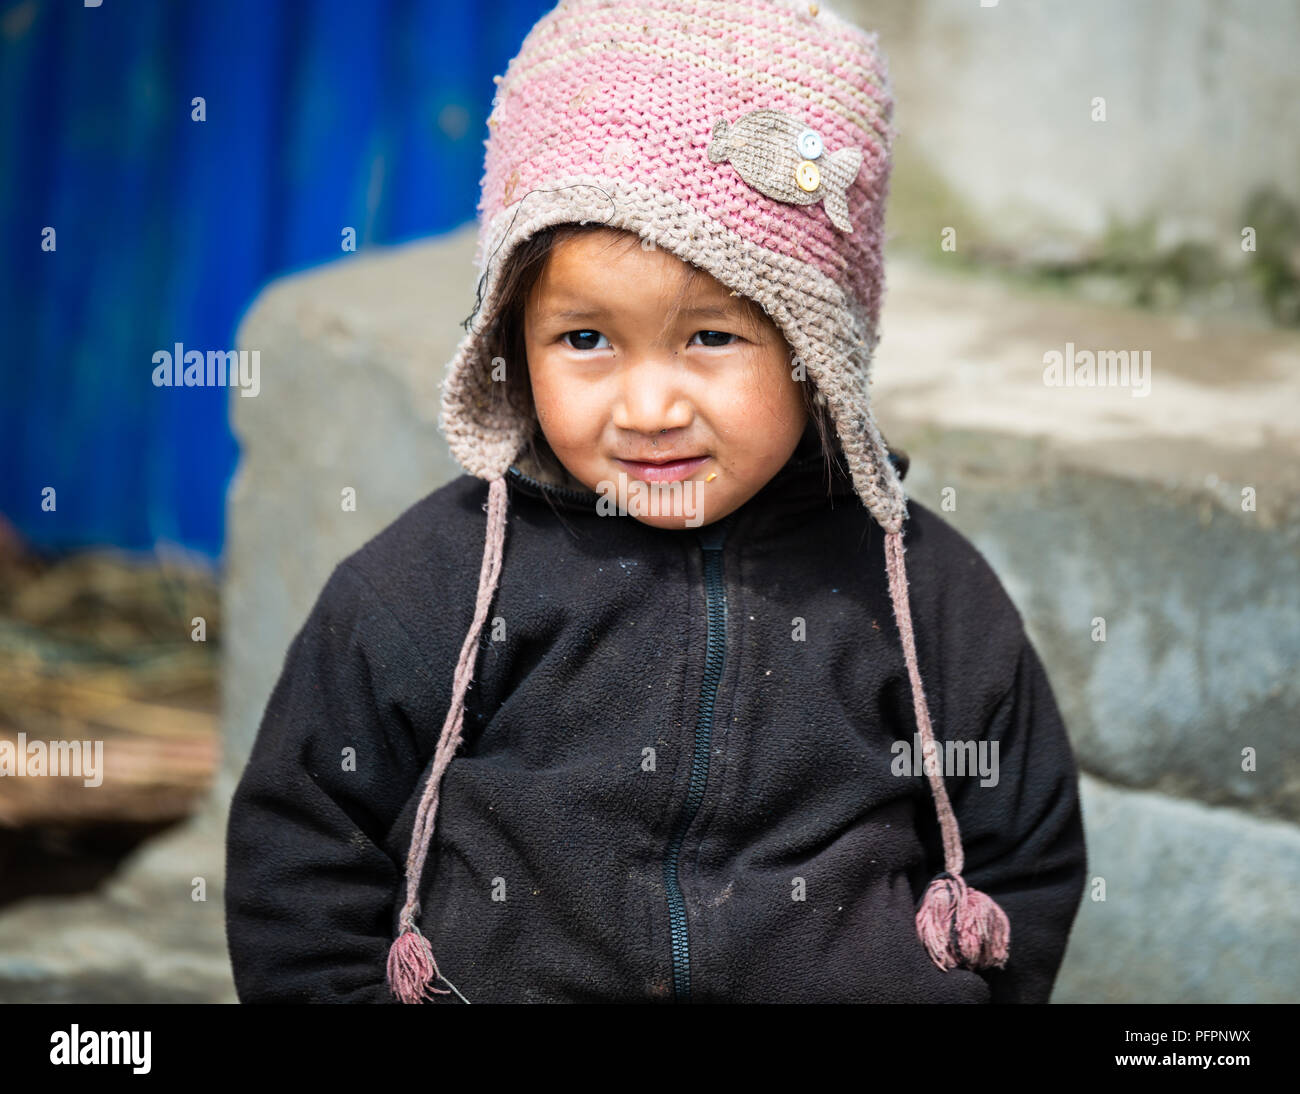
pixel 672 471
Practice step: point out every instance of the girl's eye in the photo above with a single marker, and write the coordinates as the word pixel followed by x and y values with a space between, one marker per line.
pixel 590 339
pixel 585 335
pixel 714 334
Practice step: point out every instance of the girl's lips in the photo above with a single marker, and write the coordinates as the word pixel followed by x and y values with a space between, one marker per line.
pixel 674 471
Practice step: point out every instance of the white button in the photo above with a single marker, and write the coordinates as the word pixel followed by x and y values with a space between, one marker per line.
pixel 810 145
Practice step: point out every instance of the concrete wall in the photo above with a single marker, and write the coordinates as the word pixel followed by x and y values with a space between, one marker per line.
pixel 995 121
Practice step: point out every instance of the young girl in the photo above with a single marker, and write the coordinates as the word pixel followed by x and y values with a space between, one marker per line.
pixel 655 729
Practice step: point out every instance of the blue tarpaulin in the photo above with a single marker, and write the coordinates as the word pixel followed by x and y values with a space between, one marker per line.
pixel 130 226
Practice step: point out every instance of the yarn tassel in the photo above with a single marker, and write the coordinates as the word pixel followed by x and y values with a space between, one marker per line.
pixel 958 925
pixel 411 966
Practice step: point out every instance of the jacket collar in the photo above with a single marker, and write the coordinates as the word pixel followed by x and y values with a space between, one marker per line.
pixel 801 485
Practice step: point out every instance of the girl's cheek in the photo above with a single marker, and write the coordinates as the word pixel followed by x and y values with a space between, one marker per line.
pixel 571 425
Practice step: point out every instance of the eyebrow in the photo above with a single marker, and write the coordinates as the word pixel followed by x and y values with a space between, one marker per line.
pixel 701 311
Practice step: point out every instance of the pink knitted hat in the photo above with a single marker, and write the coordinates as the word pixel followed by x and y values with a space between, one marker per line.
pixel 750 138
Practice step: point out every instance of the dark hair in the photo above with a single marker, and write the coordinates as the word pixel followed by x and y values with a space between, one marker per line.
pixel 505 338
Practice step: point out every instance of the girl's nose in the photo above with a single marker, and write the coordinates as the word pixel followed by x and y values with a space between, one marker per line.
pixel 652 398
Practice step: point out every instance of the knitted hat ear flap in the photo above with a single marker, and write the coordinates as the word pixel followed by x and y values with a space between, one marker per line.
pixel 959 926
pixel 411 965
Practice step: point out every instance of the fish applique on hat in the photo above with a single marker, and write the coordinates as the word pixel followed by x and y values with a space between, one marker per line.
pixel 782 157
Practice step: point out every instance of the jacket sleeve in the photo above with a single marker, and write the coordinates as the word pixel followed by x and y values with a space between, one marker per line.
pixel 1023 837
pixel 311 889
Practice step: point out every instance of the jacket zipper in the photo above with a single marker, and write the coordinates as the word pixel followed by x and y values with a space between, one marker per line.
pixel 711 540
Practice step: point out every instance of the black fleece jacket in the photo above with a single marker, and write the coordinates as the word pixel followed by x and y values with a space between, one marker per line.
pixel 677 775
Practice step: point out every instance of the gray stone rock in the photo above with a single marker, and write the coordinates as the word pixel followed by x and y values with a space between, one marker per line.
pixel 1199 905
pixel 1091 503
pixel 352 355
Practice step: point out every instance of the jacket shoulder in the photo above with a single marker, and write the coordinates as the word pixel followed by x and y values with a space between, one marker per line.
pixel 425 564
pixel 954 591
pixel 448 518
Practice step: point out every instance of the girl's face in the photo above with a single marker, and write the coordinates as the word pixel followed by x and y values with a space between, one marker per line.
pixel 616 381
